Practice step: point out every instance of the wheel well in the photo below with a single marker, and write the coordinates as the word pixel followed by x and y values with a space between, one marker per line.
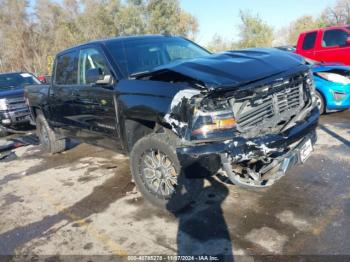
pixel 323 97
pixel 136 129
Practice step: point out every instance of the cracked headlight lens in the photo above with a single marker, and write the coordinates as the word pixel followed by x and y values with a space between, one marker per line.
pixel 3 104
pixel 210 121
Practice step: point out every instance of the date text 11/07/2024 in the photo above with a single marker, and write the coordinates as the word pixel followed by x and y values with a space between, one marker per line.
pixel 173 258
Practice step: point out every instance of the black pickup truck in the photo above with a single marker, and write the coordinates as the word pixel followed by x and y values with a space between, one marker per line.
pixel 180 112
pixel 13 110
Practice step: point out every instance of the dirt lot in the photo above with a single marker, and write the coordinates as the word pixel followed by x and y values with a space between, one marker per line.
pixel 83 202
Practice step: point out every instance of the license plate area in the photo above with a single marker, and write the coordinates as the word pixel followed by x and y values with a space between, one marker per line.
pixel 305 151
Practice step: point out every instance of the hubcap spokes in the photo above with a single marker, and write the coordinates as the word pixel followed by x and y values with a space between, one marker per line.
pixel 319 103
pixel 159 173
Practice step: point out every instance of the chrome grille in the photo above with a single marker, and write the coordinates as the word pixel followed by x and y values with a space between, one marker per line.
pixel 264 112
pixel 15 103
pixel 289 98
pixel 252 114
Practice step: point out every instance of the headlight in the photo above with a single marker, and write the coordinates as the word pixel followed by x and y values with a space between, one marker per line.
pixel 338 96
pixel 3 104
pixel 336 78
pixel 206 122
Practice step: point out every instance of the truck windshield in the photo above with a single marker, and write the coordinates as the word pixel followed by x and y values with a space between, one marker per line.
pixel 144 55
pixel 14 81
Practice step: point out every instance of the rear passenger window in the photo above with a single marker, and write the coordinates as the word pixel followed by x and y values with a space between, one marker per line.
pixel 67 69
pixel 309 41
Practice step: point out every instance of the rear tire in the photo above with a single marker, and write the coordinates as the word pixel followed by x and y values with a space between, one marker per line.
pixel 159 175
pixel 48 139
pixel 320 103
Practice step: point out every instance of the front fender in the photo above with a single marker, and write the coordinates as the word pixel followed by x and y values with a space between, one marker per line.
pixel 327 89
pixel 144 101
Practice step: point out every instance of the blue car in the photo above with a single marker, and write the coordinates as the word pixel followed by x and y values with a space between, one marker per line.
pixel 332 85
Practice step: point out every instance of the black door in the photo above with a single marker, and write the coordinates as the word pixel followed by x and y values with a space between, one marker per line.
pixel 61 99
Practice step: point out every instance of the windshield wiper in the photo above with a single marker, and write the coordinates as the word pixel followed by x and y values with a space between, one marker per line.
pixel 137 74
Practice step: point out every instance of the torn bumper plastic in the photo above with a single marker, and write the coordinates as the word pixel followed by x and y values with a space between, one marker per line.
pixel 205 158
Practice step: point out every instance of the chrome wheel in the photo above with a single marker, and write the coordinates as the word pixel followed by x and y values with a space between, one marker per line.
pixel 320 103
pixel 158 173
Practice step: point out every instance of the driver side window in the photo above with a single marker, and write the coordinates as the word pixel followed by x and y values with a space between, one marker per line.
pixel 335 37
pixel 91 58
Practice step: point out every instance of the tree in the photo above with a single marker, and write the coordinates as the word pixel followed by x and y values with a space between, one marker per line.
pixel 166 16
pixel 29 41
pixel 16 34
pixel 187 25
pixel 302 24
pixel 131 19
pixel 218 44
pixel 97 20
pixel 337 15
pixel 253 31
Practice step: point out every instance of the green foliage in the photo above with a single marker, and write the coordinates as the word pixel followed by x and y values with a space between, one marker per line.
pixel 29 41
pixel 253 31
pixel 218 44
pixel 339 14
pixel 55 25
pixel 302 24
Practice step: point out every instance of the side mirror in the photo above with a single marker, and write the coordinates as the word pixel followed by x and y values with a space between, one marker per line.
pixel 106 80
pixel 93 75
pixel 347 41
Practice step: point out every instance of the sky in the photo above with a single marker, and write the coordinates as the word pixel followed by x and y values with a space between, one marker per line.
pixel 221 16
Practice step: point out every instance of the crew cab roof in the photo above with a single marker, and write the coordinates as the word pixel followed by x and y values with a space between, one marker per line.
pixel 119 38
pixel 326 28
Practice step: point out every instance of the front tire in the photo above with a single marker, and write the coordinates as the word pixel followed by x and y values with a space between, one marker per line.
pixel 159 175
pixel 48 139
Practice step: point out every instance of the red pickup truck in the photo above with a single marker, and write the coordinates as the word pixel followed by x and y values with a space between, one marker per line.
pixel 330 44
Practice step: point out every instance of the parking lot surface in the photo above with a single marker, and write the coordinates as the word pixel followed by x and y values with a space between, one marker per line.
pixel 84 202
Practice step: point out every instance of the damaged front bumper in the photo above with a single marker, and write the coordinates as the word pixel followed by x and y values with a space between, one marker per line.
pixel 283 148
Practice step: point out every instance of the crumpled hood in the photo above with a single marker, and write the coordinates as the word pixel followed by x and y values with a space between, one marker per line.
pixel 234 68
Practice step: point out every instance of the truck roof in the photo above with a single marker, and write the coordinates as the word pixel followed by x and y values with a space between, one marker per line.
pixel 119 38
pixel 329 27
pixel 12 73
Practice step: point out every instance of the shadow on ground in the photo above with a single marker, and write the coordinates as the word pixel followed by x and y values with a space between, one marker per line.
pixel 335 135
pixel 202 229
